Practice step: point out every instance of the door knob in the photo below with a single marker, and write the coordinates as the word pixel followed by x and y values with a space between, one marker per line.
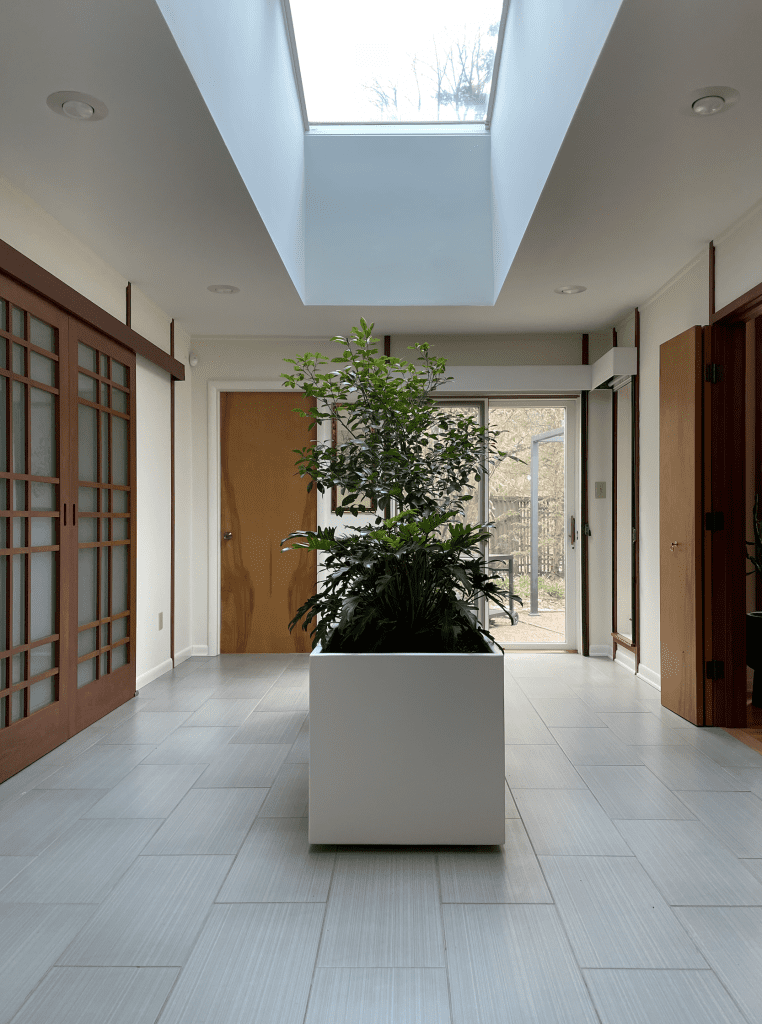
pixel 227 535
pixel 673 545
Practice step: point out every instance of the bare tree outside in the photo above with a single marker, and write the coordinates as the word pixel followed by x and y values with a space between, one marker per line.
pixel 456 77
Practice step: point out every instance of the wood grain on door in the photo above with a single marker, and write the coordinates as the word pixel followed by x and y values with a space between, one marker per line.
pixel 263 499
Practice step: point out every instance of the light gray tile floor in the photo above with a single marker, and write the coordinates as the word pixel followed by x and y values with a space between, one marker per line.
pixel 156 869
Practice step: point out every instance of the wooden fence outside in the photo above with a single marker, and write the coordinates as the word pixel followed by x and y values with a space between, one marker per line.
pixel 512 535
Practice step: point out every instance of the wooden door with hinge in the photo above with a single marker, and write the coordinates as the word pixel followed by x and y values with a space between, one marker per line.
pixel 680 525
pixel 263 499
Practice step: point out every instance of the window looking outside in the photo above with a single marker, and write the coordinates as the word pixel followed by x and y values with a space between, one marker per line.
pixel 404 61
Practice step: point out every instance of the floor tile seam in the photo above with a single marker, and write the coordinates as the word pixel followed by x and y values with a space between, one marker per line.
pixel 442 933
pixel 320 938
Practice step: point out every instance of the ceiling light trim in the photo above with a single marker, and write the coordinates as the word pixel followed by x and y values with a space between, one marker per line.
pixel 56 102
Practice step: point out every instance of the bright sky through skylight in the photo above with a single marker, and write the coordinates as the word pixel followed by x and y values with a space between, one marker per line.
pixel 401 60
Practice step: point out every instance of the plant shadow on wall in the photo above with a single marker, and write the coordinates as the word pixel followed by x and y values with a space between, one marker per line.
pixel 411 580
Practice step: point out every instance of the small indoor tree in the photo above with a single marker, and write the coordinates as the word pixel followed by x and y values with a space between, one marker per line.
pixel 409 581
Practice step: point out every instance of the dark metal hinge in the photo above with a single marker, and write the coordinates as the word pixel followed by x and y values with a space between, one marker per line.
pixel 715 670
pixel 713 373
pixel 715 521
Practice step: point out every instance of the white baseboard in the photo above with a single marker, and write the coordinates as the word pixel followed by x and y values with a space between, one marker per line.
pixel 181 656
pixel 626 659
pixel 600 650
pixel 199 651
pixel 649 676
pixel 154 673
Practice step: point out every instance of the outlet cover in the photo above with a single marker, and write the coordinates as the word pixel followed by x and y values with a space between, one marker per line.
pixel 600 488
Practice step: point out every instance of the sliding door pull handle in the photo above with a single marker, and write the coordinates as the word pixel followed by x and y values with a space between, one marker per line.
pixel 64 514
pixel 74 515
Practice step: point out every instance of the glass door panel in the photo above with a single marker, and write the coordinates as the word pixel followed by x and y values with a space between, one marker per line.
pixel 528 501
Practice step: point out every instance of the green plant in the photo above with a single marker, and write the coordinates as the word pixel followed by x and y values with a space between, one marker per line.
pixel 406 583
pixel 756 558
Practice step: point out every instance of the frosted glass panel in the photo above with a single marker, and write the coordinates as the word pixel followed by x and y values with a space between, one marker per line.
pixel 119 373
pixel 105 448
pixel 119 400
pixel 3 316
pixel 624 551
pixel 119 579
pixel 19 427
pixel 42 335
pixel 42 659
pixel 3 427
pixel 3 599
pixel 87 388
pixel 119 656
pixel 3 532
pixel 120 529
pixel 3 711
pixel 43 497
pixel 43 531
pixel 42 694
pixel 42 369
pixel 104 394
pixel 18 666
pixel 43 595
pixel 18 359
pixel 86 529
pixel 19 495
pixel 17 705
pixel 120 628
pixel 18 606
pixel 87 443
pixel 120 450
pixel 120 501
pixel 17 322
pixel 88 499
pixel 104 365
pixel 43 433
pixel 19 532
pixel 4 674
pixel 104 582
pixel 86 672
pixel 87 357
pixel 88 609
pixel 86 642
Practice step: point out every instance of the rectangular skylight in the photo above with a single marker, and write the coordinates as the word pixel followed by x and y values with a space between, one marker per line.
pixel 403 61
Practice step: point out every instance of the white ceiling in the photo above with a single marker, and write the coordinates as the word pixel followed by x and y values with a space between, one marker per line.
pixel 638 188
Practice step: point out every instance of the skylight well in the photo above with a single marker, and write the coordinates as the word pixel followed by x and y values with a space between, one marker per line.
pixel 401 62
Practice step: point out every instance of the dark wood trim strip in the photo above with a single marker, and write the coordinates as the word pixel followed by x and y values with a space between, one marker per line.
pixel 636 497
pixel 613 337
pixel 614 404
pixel 172 499
pixel 758 424
pixel 585 568
pixel 387 344
pixel 585 349
pixel 128 305
pixel 30 275
pixel 712 280
pixel 745 307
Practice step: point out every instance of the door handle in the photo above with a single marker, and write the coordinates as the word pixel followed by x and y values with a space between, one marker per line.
pixel 227 536
pixel 673 545
pixel 572 531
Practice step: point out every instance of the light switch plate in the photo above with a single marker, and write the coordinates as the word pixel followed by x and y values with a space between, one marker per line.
pixel 600 488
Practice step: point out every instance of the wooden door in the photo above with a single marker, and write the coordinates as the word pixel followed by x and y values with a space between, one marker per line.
pixel 35 537
pixel 263 500
pixel 103 482
pixel 67 509
pixel 680 525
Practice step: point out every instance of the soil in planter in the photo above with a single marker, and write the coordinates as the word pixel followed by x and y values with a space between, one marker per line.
pixel 401 642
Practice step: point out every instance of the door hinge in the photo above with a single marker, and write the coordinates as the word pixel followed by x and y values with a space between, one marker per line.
pixel 634 535
pixel 586 530
pixel 713 373
pixel 715 521
pixel 715 670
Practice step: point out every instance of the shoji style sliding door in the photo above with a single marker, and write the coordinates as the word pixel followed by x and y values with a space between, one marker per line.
pixel 67 508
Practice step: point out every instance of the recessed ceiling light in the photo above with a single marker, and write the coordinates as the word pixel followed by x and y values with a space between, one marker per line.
pixel 571 289
pixel 711 99
pixel 223 289
pixel 77 106
pixel 706 105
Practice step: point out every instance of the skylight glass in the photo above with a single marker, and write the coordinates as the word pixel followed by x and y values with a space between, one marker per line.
pixel 404 61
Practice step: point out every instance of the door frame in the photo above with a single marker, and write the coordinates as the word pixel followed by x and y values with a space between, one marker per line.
pixel 214 482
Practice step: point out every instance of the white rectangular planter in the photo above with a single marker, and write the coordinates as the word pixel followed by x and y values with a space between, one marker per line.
pixel 407 749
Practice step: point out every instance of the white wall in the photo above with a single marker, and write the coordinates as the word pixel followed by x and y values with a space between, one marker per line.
pixel 496 349
pixel 238 54
pixel 599 519
pixel 428 243
pixel 28 228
